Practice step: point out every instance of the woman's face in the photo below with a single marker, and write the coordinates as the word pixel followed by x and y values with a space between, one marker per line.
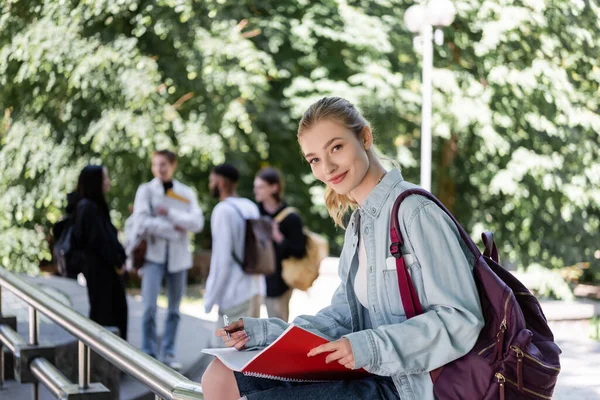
pixel 162 168
pixel 336 156
pixel 105 180
pixel 263 190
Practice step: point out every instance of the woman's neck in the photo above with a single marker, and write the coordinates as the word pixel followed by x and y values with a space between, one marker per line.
pixel 374 175
pixel 271 205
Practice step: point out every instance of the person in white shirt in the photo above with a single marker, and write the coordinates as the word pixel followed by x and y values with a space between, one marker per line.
pixel 165 211
pixel 236 293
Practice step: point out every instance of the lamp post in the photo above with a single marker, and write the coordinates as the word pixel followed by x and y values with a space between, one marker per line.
pixel 420 20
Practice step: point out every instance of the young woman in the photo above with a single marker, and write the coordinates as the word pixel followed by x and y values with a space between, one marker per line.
pixel 366 323
pixel 102 256
pixel 288 238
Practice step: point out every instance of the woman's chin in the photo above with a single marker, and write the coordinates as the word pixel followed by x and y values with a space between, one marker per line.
pixel 342 190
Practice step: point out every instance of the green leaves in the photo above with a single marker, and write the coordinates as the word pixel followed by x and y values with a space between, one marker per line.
pixel 515 99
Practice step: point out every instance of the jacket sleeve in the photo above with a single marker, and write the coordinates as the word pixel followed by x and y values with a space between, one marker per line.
pixel 147 223
pixel 294 242
pixel 191 220
pixel 449 327
pixel 331 322
pixel 92 238
pixel 221 258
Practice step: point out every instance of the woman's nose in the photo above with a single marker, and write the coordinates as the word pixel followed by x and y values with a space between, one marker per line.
pixel 330 167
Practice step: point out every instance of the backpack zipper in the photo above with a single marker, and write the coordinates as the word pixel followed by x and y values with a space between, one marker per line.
pixel 499 336
pixel 501 381
pixel 543 396
pixel 519 366
pixel 518 350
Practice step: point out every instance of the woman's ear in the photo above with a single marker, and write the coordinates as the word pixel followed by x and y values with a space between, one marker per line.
pixel 367 138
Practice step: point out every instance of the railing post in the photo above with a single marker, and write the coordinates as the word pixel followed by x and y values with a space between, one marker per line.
pixel 84 366
pixel 34 333
pixel 34 328
pixel 36 391
pixel 1 365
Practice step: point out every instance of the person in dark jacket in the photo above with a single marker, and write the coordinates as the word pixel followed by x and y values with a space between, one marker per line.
pixel 102 256
pixel 288 238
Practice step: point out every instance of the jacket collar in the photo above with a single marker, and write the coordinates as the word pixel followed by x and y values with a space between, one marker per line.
pixel 156 184
pixel 378 196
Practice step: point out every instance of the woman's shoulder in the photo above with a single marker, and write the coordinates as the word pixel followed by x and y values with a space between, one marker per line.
pixel 411 204
pixel 292 216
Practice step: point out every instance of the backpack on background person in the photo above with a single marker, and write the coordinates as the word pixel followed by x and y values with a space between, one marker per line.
pixel 515 355
pixel 300 273
pixel 62 251
pixel 259 252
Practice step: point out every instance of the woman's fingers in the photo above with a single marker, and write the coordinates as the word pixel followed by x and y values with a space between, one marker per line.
pixel 347 361
pixel 324 348
pixel 234 326
pixel 242 343
pixel 334 356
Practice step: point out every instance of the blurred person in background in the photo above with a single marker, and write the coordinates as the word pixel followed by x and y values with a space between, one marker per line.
pixel 165 211
pixel 235 293
pixel 98 249
pixel 288 238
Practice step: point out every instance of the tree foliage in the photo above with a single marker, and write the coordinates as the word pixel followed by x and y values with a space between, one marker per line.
pixel 516 123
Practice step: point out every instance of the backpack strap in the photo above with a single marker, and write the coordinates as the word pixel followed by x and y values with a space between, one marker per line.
pixel 283 214
pixel 239 212
pixel 408 294
pixel 491 250
pixel 410 300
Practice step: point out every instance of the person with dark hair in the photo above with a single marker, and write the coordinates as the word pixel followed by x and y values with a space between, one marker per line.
pixel 288 238
pixel 98 249
pixel 236 293
pixel 165 211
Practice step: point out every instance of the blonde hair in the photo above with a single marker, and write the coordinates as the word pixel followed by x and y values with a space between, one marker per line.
pixel 344 112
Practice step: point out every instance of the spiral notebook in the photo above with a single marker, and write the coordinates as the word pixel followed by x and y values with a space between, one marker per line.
pixel 286 359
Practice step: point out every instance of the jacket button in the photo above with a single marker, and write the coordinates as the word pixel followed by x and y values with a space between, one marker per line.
pixel 367 230
pixel 373 209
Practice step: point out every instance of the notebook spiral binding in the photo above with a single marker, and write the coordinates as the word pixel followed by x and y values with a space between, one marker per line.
pixel 280 378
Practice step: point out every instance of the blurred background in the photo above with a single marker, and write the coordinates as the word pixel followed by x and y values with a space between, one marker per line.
pixel 515 96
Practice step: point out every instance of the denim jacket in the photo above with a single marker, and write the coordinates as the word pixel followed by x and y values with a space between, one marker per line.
pixel 383 341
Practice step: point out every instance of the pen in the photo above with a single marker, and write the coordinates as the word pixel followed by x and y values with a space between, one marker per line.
pixel 226 323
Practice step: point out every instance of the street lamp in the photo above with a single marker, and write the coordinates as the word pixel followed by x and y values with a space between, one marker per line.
pixel 420 20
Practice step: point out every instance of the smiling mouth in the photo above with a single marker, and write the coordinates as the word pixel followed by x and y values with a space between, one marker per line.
pixel 338 178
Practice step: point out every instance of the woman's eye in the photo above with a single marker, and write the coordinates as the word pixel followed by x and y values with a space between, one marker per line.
pixel 336 147
pixel 313 160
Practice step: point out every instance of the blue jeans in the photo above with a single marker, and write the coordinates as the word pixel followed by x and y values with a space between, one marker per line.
pixel 151 281
pixel 372 387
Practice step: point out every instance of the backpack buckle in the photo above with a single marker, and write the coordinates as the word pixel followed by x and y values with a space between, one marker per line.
pixel 395 249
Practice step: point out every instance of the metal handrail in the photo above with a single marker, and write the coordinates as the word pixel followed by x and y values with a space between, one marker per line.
pixel 160 379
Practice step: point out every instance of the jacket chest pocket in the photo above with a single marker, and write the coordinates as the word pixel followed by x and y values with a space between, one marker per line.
pixel 392 290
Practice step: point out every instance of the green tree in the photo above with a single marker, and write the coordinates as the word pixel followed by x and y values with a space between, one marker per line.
pixel 515 106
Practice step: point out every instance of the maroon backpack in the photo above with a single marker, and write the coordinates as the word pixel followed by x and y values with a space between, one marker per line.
pixel 515 356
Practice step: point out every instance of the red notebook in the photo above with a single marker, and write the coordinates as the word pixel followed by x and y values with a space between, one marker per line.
pixel 286 359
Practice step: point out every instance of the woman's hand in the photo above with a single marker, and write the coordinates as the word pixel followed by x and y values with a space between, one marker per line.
pixel 160 210
pixel 237 334
pixel 277 235
pixel 340 351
